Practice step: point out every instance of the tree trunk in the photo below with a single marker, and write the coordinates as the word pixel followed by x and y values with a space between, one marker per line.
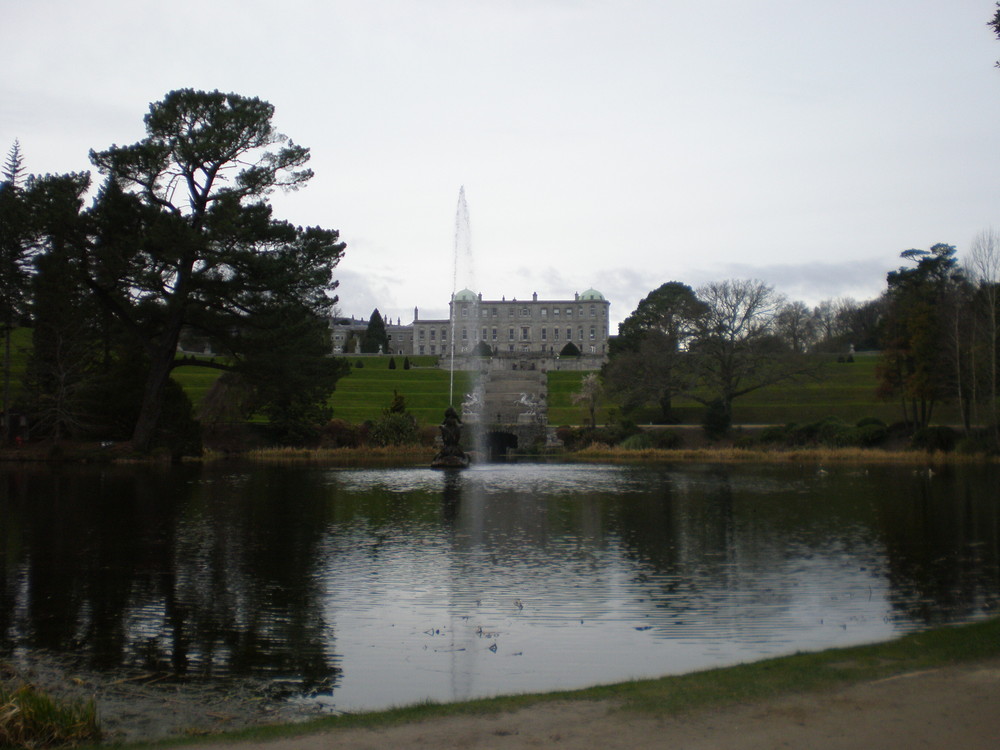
pixel 152 402
pixel 6 385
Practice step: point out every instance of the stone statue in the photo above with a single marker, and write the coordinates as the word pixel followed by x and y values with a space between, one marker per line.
pixel 530 404
pixel 451 455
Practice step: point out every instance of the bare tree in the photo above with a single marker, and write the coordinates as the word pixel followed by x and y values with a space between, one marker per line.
pixel 984 269
pixel 590 396
pixel 796 326
pixel 736 350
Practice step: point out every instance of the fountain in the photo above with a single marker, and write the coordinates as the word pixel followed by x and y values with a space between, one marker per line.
pixel 451 455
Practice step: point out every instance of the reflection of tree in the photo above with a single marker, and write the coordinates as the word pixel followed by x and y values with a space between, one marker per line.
pixel 942 544
pixel 178 571
pixel 247 578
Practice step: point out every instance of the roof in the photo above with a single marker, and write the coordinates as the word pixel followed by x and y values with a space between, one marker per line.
pixel 466 295
pixel 592 295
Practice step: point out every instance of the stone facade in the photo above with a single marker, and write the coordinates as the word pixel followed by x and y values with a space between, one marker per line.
pixel 344 330
pixel 532 332
pixel 518 327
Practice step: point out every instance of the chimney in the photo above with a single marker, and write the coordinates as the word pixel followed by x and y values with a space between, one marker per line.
pixel 415 315
pixel 534 296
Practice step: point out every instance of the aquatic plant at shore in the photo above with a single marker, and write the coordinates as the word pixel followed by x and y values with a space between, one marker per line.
pixel 30 718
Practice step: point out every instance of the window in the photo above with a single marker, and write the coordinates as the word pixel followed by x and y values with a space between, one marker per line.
pixel 579 334
pixel 510 335
pixel 484 313
pixel 569 334
pixel 593 332
pixel 555 311
pixel 465 311
pixel 593 311
pixel 510 312
pixel 524 312
pixel 555 334
pixel 484 334
pixel 433 349
pixel 545 334
pixel 465 334
pixel 444 334
pixel 524 333
pixel 494 312
pixel 421 348
pixel 421 334
pixel 494 334
pixel 569 312
pixel 432 334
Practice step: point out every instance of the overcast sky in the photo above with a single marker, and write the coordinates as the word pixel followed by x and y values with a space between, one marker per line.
pixel 615 145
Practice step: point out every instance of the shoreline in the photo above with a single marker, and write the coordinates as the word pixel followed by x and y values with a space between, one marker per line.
pixel 150 711
pixel 70 453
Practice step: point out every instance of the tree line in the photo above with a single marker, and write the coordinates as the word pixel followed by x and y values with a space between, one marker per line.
pixel 179 240
pixel 935 327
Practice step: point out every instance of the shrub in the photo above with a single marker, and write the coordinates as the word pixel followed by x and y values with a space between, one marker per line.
pixel 866 436
pixel 978 442
pixel 359 364
pixel 832 431
pixel 406 363
pixel 667 440
pixel 639 442
pixel 392 363
pixel 338 433
pixel 394 428
pixel 775 433
pixel 567 436
pixel 936 438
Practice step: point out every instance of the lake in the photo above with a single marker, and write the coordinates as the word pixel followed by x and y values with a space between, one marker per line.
pixel 350 589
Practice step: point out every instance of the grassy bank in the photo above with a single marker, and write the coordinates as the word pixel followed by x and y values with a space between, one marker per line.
pixel 843 390
pixel 771 678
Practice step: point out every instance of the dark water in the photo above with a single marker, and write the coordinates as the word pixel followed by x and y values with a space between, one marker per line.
pixel 368 588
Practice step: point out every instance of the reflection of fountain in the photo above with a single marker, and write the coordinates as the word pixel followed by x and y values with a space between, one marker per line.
pixel 451 455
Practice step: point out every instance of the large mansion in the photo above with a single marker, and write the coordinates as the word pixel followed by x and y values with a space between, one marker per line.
pixel 511 328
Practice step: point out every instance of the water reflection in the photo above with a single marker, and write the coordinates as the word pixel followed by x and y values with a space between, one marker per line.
pixel 366 588
pixel 176 571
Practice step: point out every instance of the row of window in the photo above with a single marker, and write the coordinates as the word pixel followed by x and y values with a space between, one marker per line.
pixel 525 312
pixel 492 334
pixel 524 348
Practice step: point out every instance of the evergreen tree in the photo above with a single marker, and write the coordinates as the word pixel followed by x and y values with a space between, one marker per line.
pixel 183 236
pixel 375 338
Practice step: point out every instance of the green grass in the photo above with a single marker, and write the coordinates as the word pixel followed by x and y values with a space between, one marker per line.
pixel 669 696
pixel 844 390
pixel 368 390
pixel 196 381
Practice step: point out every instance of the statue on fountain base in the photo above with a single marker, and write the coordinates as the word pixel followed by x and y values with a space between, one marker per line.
pixel 451 455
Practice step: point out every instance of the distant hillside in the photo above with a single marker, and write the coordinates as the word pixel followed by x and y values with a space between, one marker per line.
pixel 845 390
